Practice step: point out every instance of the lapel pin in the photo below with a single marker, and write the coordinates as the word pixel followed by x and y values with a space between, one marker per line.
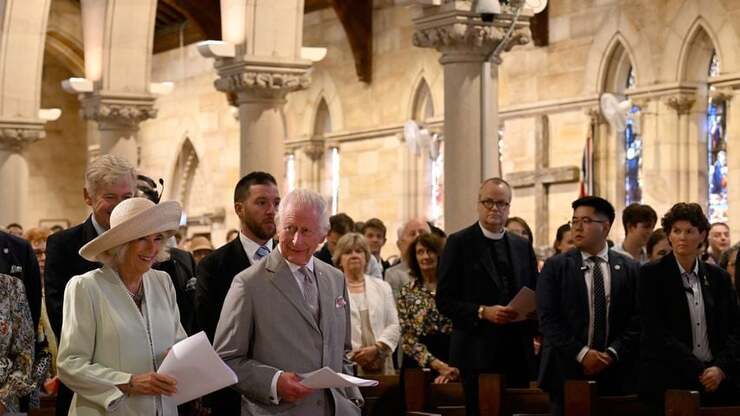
pixel 617 267
pixel 584 268
pixel 5 250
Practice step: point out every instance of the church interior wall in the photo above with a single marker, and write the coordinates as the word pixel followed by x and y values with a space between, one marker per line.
pixel 559 79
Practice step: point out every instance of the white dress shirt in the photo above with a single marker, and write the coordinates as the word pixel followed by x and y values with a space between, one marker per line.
pixel 589 277
pixel 250 247
pixel 692 287
pixel 298 276
pixel 98 228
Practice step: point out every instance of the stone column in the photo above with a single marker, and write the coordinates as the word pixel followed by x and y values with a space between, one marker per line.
pixel 471 150
pixel 682 104
pixel 259 90
pixel 118 117
pixel 15 136
pixel 314 150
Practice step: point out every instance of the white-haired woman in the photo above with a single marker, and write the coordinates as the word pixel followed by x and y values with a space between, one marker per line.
pixel 373 315
pixel 121 319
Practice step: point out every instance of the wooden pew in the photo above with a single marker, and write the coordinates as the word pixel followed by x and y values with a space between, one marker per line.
pixel 582 399
pixel 496 400
pixel 686 403
pixel 425 398
pixel 47 408
pixel 383 399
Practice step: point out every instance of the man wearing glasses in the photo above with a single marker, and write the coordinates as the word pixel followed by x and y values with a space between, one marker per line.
pixel 586 302
pixel 481 269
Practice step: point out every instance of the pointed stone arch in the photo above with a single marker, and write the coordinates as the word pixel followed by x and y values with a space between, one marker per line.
pixel 694 16
pixel 616 30
pixel 617 62
pixel 696 52
pixel 183 175
pixel 322 88
pixel 422 102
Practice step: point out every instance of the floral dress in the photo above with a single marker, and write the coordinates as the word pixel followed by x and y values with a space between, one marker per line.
pixel 425 332
pixel 16 343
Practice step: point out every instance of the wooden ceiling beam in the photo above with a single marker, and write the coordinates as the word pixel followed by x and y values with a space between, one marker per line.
pixel 356 17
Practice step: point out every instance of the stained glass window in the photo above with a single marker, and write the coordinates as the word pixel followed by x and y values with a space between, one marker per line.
pixel 631 79
pixel 290 171
pixel 716 152
pixel 438 193
pixel 334 180
pixel 633 158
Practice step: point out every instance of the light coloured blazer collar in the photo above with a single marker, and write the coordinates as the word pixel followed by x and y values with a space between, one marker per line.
pixel 285 282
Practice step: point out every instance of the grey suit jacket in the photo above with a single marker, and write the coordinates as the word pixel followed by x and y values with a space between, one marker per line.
pixel 266 326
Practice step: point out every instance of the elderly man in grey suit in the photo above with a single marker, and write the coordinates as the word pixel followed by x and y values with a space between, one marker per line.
pixel 398 275
pixel 289 314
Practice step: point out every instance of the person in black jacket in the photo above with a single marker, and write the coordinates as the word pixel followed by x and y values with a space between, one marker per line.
pixel 689 315
pixel 108 181
pixel 256 199
pixel 587 307
pixel 180 266
pixel 17 259
pixel 482 268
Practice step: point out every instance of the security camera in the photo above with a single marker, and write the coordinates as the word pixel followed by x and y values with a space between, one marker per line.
pixel 487 9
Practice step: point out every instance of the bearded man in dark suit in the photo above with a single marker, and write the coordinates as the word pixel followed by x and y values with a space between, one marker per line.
pixel 256 200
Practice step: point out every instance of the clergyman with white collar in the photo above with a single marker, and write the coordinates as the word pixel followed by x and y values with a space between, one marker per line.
pixel 481 269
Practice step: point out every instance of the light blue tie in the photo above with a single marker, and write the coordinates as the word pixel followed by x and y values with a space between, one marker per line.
pixel 261 252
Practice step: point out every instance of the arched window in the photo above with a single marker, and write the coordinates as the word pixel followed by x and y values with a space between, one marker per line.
pixel 189 186
pixel 716 149
pixel 632 150
pixel 428 171
pixel 619 78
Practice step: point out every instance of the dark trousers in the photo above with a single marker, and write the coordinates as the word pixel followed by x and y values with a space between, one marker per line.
pixel 64 399
pixel 727 394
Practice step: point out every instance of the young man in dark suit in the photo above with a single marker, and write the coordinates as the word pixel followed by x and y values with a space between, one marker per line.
pixel 256 200
pixel 689 315
pixel 482 268
pixel 108 181
pixel 587 307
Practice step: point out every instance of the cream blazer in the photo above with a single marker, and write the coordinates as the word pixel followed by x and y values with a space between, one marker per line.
pixel 104 341
pixel 383 316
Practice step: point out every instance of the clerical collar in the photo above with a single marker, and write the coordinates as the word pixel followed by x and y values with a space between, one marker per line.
pixel 491 235
pixel 98 228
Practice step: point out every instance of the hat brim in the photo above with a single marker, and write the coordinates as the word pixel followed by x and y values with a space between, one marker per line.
pixel 161 218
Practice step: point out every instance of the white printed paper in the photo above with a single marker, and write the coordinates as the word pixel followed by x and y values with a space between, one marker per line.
pixel 197 368
pixel 327 378
pixel 525 302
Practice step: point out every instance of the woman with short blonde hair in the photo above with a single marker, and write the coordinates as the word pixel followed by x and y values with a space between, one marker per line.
pixel 373 316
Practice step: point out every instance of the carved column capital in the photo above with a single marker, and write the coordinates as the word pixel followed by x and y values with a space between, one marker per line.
pixel 117 111
pixel 243 80
pixel 594 114
pixel 314 149
pixel 680 103
pixel 462 36
pixel 721 95
pixel 15 136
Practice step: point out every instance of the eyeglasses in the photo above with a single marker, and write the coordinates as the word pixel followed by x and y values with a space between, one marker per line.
pixel 490 203
pixel 585 221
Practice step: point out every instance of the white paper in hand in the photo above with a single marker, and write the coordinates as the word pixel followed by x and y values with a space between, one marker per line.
pixel 525 302
pixel 197 368
pixel 326 378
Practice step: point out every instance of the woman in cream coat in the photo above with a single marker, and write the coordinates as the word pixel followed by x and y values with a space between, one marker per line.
pixel 373 316
pixel 121 320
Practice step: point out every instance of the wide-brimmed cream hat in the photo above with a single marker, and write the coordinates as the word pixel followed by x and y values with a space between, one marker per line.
pixel 131 219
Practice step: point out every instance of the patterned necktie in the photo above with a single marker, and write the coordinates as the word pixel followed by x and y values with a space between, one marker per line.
pixel 310 293
pixel 599 338
pixel 261 252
